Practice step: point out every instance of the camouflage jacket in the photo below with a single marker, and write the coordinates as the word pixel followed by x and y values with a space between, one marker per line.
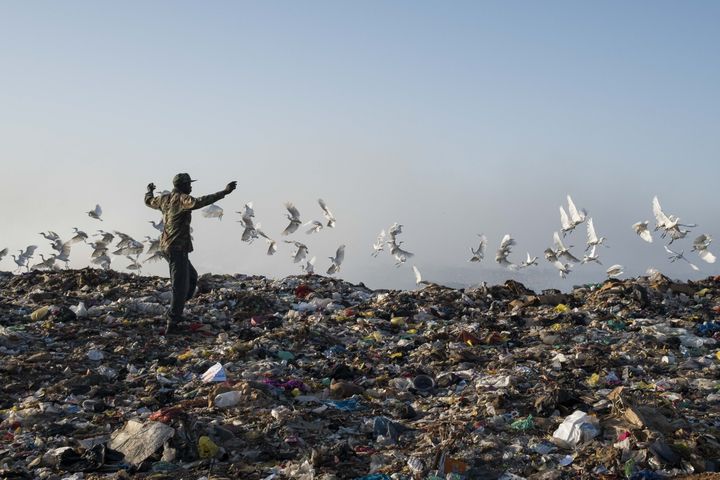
pixel 176 209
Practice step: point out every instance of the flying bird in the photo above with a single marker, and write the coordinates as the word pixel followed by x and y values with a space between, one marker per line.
pixel 213 211
pixel 294 217
pixel 135 265
pixel 159 226
pixel 400 255
pixel 95 213
pixel 105 237
pixel 670 224
pixel 153 245
pixel 700 245
pixel 50 235
pixel 336 260
pixel 272 244
pixel 309 266
pixel 80 236
pixel 103 261
pixel 641 228
pixel 315 226
pixel 327 213
pixel 576 217
pixel 615 271
pixel 379 244
pixel 300 253
pixel 563 268
pixel 418 277
pixel 592 256
pixel 562 251
pixel 679 256
pixel 592 239
pixel 155 257
pixel 479 253
pixel 529 261
pixel 46 264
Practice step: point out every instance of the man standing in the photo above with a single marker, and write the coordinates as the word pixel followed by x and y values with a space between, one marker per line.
pixel 175 241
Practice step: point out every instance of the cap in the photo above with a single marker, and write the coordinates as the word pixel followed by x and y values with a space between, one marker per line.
pixel 181 178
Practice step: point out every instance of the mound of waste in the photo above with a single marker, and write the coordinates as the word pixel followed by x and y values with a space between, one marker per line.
pixel 311 377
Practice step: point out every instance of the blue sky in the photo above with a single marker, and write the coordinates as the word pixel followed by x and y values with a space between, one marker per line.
pixel 453 118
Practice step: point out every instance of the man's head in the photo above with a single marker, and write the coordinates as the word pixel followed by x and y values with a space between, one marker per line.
pixel 183 182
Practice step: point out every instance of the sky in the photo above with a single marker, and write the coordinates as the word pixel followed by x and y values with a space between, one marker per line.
pixel 451 118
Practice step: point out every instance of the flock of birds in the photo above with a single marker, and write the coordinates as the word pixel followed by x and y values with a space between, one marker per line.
pixel 559 255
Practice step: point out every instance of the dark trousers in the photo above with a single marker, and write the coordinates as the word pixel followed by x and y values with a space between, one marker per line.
pixel 184 280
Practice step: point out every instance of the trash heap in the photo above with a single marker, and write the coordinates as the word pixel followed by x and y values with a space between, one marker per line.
pixel 311 377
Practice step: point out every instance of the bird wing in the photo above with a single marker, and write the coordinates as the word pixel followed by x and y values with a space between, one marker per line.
pixel 707 256
pixel 294 213
pixel 701 242
pixel 574 214
pixel 591 235
pixel 326 211
pixel 98 210
pixel 558 243
pixel 660 218
pixel 418 277
pixel 291 228
pixel 340 255
pixel 507 241
pixel 564 220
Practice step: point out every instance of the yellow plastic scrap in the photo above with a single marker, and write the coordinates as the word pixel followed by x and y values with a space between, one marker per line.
pixel 39 314
pixel 703 292
pixel 717 354
pixel 296 392
pixel 185 356
pixel 594 379
pixel 561 308
pixel 557 327
pixel 207 448
pixel 396 355
pixel 377 336
pixel 398 321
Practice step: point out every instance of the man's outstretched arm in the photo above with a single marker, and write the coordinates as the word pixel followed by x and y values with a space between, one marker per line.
pixel 150 199
pixel 192 203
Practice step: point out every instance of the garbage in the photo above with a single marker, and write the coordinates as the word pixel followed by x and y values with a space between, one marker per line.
pixel 314 377
pixel 576 429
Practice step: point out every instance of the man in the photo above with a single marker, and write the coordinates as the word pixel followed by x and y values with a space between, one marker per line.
pixel 175 241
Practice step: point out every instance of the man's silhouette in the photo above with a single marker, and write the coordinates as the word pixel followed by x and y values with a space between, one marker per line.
pixel 176 242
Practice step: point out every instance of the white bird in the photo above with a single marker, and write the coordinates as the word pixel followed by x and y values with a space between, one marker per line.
pixel 103 261
pixel 95 213
pixel 336 260
pixel 379 244
pixel 327 213
pixel 670 224
pixel 125 240
pixel 135 265
pixel 700 245
pixel 641 228
pixel 592 238
pixel 294 217
pixel 272 244
pixel 47 263
pixel 563 268
pixel 562 251
pixel 213 211
pixel 479 253
pixel 418 277
pixel 63 250
pixel 249 230
pixel 99 249
pixel 394 230
pixel 155 257
pixel 300 253
pixel 80 236
pixel 159 226
pixel 309 266
pixel 153 245
pixel 248 211
pixel 133 248
pixel 576 217
pixel 3 252
pixel 615 271
pixel 315 226
pixel 50 235
pixel 592 256
pixel 679 256
pixel 565 223
pixel 106 237
pixel 400 255
pixel 502 254
pixel 19 261
pixel 529 261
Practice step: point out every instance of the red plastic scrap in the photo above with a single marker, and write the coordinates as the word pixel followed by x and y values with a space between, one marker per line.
pixel 303 290
pixel 165 415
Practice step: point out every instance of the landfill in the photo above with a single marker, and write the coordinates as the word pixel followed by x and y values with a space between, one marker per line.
pixel 310 377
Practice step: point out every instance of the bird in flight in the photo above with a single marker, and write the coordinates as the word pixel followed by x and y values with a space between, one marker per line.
pixel 300 253
pixel 615 271
pixel 700 245
pixel 95 213
pixel 592 239
pixel 479 253
pixel 294 217
pixel 641 228
pixel 379 244
pixel 336 260
pixel 327 213
pixel 679 256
